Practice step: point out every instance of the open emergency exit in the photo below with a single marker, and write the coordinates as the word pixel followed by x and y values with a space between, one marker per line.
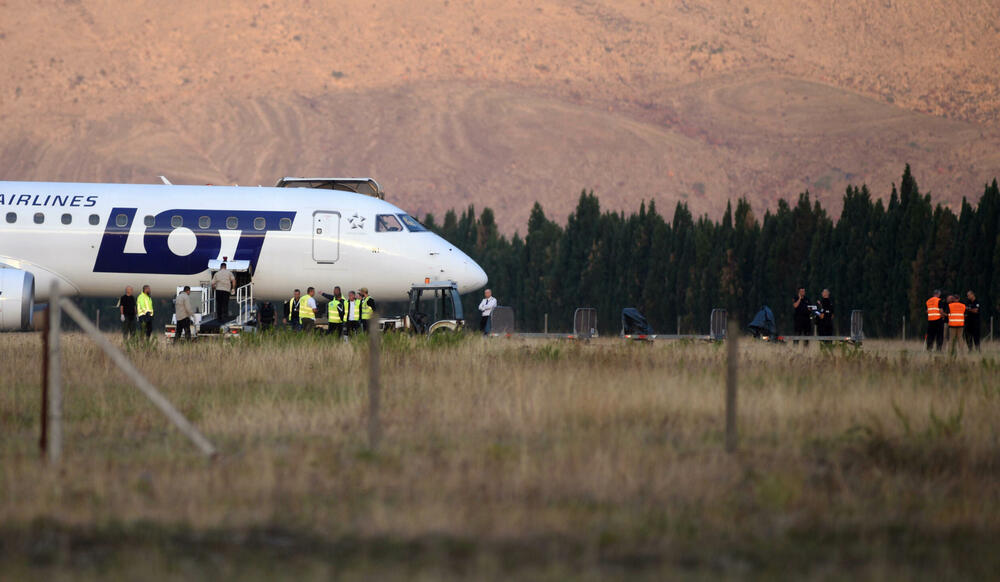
pixel 326 236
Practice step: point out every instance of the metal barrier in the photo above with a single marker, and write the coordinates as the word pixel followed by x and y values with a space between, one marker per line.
pixel 502 320
pixel 718 324
pixel 857 326
pixel 244 304
pixel 585 322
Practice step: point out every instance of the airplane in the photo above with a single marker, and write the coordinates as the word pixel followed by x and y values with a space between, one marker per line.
pixel 95 239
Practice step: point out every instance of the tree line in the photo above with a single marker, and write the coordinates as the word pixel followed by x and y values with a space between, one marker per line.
pixel 882 258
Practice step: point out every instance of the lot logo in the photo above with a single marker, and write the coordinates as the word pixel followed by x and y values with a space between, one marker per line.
pixel 187 248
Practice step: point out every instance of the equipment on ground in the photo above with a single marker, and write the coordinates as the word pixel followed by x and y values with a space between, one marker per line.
pixel 635 324
pixel 763 326
pixel 434 307
pixel 204 321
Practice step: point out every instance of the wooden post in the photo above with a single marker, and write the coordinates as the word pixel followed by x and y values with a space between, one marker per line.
pixel 54 437
pixel 678 325
pixel 374 384
pixel 97 320
pixel 904 328
pixel 43 440
pixel 139 380
pixel 546 327
pixel 732 362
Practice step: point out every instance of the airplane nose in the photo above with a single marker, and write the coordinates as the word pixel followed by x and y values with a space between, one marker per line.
pixel 477 276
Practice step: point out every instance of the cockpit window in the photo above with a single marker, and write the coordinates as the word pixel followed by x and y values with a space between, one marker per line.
pixel 387 223
pixel 411 224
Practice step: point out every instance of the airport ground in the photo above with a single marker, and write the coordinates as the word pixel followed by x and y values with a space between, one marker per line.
pixel 506 458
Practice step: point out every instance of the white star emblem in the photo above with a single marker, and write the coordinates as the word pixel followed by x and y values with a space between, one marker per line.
pixel 357 222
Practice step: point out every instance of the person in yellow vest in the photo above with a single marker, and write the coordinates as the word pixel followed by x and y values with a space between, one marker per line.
pixel 336 313
pixel 368 307
pixel 144 307
pixel 307 310
pixel 292 310
pixel 353 313
pixel 956 320
pixel 935 321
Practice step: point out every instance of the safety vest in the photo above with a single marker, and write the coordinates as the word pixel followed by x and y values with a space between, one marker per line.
pixel 934 309
pixel 144 304
pixel 353 309
pixel 291 308
pixel 956 314
pixel 333 314
pixel 366 309
pixel 306 312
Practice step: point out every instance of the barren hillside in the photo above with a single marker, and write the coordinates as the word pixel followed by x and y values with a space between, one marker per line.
pixel 452 103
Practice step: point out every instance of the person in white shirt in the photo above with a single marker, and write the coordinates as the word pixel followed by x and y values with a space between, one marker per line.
pixel 486 307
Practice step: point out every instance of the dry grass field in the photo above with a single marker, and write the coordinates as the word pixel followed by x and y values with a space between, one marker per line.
pixel 506 458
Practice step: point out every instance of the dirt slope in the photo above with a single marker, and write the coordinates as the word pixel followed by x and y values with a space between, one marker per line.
pixel 501 103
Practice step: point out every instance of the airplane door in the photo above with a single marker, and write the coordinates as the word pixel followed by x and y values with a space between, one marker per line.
pixel 326 237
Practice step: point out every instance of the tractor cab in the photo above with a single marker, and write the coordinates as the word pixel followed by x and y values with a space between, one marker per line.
pixel 435 306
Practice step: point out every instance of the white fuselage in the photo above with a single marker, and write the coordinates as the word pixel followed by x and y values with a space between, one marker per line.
pixel 95 239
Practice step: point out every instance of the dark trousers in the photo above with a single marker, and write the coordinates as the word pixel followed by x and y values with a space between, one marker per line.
pixel 146 325
pixel 308 324
pixel 935 334
pixel 128 327
pixel 336 329
pixel 222 305
pixel 824 326
pixel 972 335
pixel 353 327
pixel 183 327
pixel 484 324
pixel 803 327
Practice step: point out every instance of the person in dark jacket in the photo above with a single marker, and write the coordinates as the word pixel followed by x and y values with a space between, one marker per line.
pixel 824 317
pixel 973 332
pixel 803 324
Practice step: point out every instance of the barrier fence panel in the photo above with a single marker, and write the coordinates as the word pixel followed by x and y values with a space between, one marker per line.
pixel 502 320
pixel 585 322
pixel 857 326
pixel 718 324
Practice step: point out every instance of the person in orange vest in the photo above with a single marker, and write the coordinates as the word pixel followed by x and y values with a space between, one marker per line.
pixel 956 321
pixel 935 321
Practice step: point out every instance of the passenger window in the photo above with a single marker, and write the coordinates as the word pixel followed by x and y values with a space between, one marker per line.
pixel 148 220
pixel 176 221
pixel 121 220
pixel 67 218
pixel 232 223
pixel 411 223
pixel 12 217
pixel 285 224
pixel 39 218
pixel 94 219
pixel 204 222
pixel 259 223
pixel 387 223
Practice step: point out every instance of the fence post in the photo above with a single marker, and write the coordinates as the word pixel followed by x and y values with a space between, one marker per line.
pixel 374 384
pixel 97 320
pixel 54 437
pixel 732 363
pixel 904 328
pixel 678 325
pixel 546 328
pixel 43 440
